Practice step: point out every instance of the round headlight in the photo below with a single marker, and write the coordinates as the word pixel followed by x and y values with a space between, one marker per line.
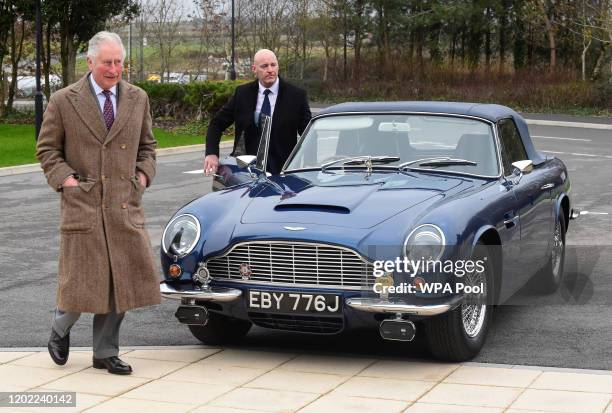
pixel 181 235
pixel 425 242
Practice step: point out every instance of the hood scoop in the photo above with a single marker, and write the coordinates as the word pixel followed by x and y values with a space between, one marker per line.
pixel 336 209
pixel 327 199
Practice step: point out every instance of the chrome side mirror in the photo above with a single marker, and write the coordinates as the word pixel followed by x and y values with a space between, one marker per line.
pixel 247 161
pixel 524 167
pixel 244 161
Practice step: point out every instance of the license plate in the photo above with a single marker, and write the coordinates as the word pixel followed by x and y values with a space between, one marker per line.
pixel 286 302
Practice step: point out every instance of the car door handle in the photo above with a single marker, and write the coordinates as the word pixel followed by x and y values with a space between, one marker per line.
pixel 510 219
pixel 547 186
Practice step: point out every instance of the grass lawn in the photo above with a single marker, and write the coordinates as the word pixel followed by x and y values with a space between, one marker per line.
pixel 17 144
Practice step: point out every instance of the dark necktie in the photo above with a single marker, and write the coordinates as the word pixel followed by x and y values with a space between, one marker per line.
pixel 265 107
pixel 108 113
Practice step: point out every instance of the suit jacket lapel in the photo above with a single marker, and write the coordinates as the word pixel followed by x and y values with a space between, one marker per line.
pixel 252 101
pixel 126 99
pixel 87 108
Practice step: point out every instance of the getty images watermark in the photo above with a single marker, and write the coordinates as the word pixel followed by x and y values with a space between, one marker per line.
pixel 384 270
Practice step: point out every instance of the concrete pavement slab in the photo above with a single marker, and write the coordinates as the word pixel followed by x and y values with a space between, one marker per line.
pixel 561 401
pixel 297 381
pixel 264 399
pixel 249 358
pixel 327 364
pixel 101 384
pixel 122 405
pixel 493 376
pixel 340 404
pixel 472 395
pixel 379 388
pixel 171 382
pixel 447 408
pixel 23 376
pixel 216 374
pixel 184 355
pixel 596 383
pixel 178 392
pixel 410 370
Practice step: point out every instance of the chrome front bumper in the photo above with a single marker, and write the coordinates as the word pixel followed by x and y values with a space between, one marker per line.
pixel 377 305
pixel 222 294
pixel 370 305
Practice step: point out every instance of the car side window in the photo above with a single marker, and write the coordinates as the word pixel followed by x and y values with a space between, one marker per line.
pixel 512 149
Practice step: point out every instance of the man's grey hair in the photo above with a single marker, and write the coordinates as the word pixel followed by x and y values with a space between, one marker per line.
pixel 100 38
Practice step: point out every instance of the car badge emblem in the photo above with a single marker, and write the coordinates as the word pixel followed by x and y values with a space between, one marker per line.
pixel 294 228
pixel 245 271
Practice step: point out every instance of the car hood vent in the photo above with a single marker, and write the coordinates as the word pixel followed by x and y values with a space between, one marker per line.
pixel 338 209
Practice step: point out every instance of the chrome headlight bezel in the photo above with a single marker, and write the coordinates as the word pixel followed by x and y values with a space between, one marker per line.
pixel 172 225
pixel 433 232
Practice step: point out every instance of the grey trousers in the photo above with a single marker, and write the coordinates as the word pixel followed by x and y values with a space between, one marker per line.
pixel 105 330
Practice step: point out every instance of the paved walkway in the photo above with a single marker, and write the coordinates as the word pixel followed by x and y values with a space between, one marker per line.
pixel 207 379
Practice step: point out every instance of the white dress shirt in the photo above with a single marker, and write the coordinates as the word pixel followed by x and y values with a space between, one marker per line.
pixel 271 97
pixel 102 98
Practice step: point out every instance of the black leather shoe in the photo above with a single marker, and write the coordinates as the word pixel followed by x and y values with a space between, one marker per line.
pixel 113 364
pixel 59 347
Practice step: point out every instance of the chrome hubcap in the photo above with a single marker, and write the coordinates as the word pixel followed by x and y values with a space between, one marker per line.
pixel 474 311
pixel 557 251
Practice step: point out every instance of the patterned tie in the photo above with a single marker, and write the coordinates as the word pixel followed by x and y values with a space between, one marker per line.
pixel 265 107
pixel 109 115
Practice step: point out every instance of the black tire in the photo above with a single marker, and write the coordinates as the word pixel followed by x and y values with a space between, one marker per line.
pixel 220 329
pixel 448 336
pixel 551 276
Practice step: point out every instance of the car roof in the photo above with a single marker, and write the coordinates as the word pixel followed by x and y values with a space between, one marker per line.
pixel 487 111
pixel 490 112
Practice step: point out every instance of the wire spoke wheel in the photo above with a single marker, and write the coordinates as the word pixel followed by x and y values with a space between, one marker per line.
pixel 557 251
pixel 474 309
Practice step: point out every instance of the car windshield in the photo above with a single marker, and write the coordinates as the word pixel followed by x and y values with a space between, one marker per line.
pixel 419 142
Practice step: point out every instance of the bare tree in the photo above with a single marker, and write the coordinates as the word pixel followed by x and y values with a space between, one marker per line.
pixel 265 21
pixel 166 17
pixel 547 14
pixel 18 34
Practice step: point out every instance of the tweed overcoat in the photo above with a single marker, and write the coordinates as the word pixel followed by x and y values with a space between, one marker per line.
pixel 103 240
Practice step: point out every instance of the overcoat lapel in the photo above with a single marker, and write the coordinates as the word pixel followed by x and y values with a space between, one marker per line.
pixel 86 107
pixel 125 104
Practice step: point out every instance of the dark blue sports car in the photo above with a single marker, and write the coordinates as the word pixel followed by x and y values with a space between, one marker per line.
pixel 393 216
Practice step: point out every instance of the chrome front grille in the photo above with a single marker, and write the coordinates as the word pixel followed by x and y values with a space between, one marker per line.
pixel 294 263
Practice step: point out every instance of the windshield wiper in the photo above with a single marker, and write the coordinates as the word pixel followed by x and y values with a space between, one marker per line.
pixel 367 161
pixel 437 162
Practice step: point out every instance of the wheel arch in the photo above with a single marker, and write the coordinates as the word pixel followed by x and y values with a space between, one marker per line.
pixel 563 207
pixel 489 236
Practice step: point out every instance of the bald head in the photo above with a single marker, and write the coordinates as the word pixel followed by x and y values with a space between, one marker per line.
pixel 265 67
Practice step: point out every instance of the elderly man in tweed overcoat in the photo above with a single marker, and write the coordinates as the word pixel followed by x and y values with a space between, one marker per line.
pixel 97 150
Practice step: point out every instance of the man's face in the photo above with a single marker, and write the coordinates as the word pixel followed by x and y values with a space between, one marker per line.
pixel 265 68
pixel 107 66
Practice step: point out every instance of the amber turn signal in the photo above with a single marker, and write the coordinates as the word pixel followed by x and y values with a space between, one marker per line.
pixel 419 283
pixel 175 271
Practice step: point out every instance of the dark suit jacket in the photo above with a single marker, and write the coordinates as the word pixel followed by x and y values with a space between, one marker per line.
pixel 290 117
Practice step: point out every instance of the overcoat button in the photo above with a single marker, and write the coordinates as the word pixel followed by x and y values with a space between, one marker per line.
pixel 122 177
pixel 123 206
pixel 103 176
pixel 123 146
